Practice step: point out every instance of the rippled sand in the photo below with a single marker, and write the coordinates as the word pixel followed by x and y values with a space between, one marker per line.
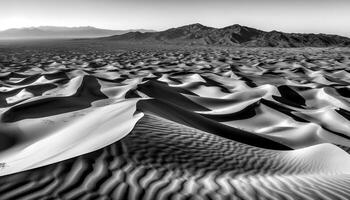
pixel 102 122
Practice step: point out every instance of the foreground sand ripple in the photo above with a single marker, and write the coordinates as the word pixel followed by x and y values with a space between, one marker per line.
pixel 177 124
pixel 161 159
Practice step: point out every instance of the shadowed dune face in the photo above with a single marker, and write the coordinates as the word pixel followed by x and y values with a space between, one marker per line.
pixel 87 92
pixel 174 123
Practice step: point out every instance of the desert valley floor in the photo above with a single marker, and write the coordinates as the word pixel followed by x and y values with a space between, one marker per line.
pixel 102 121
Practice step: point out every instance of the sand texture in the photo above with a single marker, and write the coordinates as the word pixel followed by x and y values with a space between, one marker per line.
pixel 173 123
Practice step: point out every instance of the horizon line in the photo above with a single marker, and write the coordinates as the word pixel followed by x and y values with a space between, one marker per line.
pixel 164 29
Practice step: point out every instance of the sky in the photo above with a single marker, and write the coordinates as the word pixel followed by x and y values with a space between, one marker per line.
pixel 304 16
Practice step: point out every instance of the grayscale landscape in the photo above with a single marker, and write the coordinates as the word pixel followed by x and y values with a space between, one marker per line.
pixel 188 112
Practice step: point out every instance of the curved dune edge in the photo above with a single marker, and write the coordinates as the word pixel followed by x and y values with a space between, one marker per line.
pixel 255 125
pixel 201 165
pixel 99 128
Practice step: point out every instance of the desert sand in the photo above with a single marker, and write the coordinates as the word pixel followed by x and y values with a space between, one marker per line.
pixel 174 123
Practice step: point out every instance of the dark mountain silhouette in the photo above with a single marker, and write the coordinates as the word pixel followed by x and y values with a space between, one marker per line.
pixel 235 35
pixel 43 32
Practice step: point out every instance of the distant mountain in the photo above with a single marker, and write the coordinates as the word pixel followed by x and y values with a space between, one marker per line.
pixel 43 32
pixel 235 35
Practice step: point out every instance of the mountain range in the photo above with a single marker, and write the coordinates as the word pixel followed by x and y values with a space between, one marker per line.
pixel 45 32
pixel 235 35
pixel 193 34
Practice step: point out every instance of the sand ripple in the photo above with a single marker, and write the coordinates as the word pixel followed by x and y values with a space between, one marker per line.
pixel 175 124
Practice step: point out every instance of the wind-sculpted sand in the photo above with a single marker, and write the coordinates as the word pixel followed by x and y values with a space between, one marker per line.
pixel 173 123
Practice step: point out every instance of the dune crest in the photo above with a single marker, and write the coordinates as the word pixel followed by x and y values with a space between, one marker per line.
pixel 175 124
pixel 98 128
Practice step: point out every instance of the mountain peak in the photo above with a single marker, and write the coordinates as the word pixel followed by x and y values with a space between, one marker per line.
pixel 234 35
pixel 236 26
pixel 195 26
pixel 239 28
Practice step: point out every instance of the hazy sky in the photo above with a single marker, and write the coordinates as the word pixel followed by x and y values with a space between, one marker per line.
pixel 328 16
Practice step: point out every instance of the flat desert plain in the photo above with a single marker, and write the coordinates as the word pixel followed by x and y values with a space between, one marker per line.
pixel 82 120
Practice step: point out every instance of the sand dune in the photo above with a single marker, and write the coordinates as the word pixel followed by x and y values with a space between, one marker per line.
pixel 176 124
pixel 161 159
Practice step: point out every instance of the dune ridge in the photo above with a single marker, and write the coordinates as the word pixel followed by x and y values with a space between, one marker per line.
pixel 156 124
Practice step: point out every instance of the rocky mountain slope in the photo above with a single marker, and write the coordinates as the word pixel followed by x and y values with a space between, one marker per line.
pixel 235 35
